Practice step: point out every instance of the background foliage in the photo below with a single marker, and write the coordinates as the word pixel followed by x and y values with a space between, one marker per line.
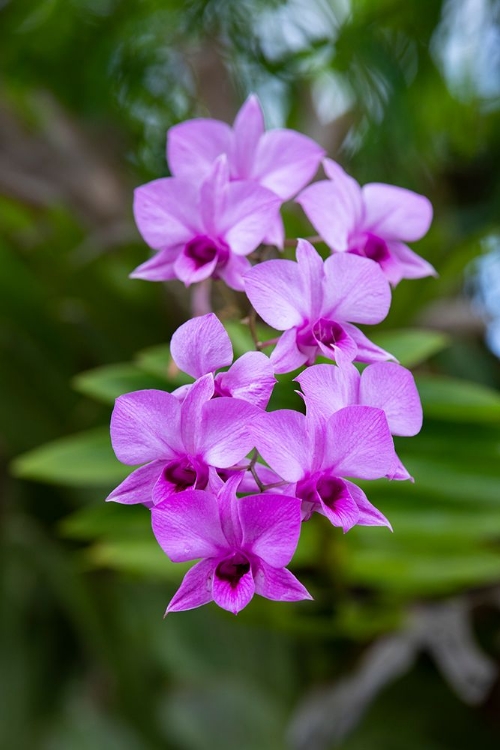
pixel 401 645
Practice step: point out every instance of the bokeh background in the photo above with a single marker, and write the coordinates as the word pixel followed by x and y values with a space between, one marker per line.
pixel 401 647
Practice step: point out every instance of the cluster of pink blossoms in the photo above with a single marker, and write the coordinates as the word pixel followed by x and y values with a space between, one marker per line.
pixel 200 448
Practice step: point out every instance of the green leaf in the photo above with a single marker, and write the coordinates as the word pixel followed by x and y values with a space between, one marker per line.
pixel 458 400
pixel 85 459
pixel 107 383
pixel 157 361
pixel 411 346
pixel 138 556
pixel 111 519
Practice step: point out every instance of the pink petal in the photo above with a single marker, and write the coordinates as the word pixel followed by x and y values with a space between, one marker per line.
pixel 196 588
pixel 399 472
pixel 248 128
pixel 327 389
pixel 192 409
pixel 213 195
pixel 336 503
pixel 412 265
pixel 283 442
pixel 367 350
pixel 249 213
pixel 392 388
pixel 356 289
pixel 271 527
pixel 311 270
pixel 228 510
pixel 334 207
pixel 145 426
pixel 275 290
pixel 160 267
pixel 358 443
pixel 193 146
pixel 189 271
pixel 138 486
pixel 251 379
pixel 163 211
pixel 233 271
pixel 286 161
pixel 275 234
pixel 278 584
pixel 286 356
pixel 201 345
pixel 369 515
pixel 233 597
pixel 224 436
pixel 395 213
pixel 187 526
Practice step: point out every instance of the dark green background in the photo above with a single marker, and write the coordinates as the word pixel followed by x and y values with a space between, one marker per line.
pixel 401 645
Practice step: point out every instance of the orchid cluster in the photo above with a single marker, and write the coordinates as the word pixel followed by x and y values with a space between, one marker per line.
pixel 228 483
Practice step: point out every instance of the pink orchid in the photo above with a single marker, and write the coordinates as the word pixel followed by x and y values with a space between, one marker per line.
pixel 202 345
pixel 383 385
pixel 372 221
pixel 202 229
pixel 244 545
pixel 315 456
pixel 181 444
pixel 280 160
pixel 315 303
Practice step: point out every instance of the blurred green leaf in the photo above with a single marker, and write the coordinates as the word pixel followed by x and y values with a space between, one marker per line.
pixel 85 459
pixel 458 400
pixel 142 557
pixel 107 383
pixel 411 346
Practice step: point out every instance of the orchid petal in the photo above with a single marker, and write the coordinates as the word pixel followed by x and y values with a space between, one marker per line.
pixel 285 161
pixel 138 486
pixel 163 211
pixel 251 378
pixel 412 265
pixel 275 290
pixel 358 443
pixel 367 350
pixel 192 409
pixel 355 289
pixel 248 215
pixel 213 195
pixel 369 515
pixel 195 589
pixel 201 345
pixel 278 584
pixel 392 388
pixel 189 271
pixel 327 389
pixel 193 146
pixel 394 213
pixel 311 270
pixel 160 267
pixel 271 527
pixel 283 442
pixel 187 526
pixel 233 272
pixel 145 426
pixel 233 596
pixel 286 356
pixel 224 436
pixel 336 503
pixel 248 128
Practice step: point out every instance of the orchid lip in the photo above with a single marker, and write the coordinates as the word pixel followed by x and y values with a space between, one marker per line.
pixel 371 246
pixel 233 568
pixel 184 474
pixel 204 250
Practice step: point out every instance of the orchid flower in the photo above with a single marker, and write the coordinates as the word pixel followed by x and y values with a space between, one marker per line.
pixel 244 545
pixel 202 229
pixel 181 444
pixel 315 303
pixel 315 456
pixel 202 345
pixel 373 221
pixel 280 160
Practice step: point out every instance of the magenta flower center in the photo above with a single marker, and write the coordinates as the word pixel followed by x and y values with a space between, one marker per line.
pixel 328 332
pixel 373 247
pixel 233 569
pixel 183 474
pixel 331 490
pixel 204 250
